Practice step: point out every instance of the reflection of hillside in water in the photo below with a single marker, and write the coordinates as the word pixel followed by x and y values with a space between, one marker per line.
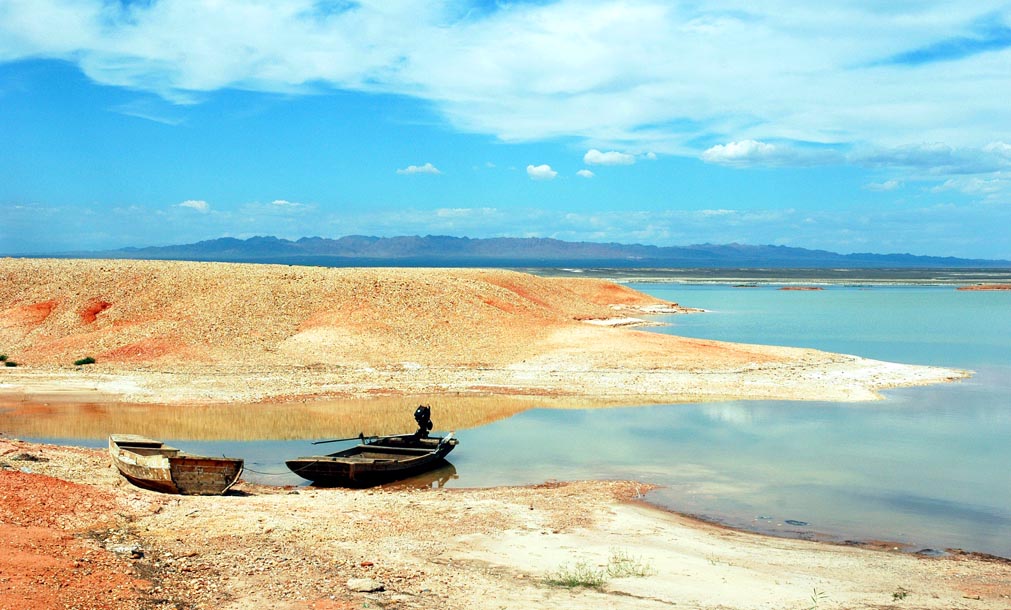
pixel 246 422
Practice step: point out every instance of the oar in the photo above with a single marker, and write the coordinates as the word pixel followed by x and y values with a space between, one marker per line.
pixel 361 437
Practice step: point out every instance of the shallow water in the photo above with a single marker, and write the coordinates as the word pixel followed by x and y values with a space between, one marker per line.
pixel 927 467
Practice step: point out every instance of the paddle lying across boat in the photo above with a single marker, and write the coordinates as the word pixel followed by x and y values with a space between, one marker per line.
pixel 151 464
pixel 376 460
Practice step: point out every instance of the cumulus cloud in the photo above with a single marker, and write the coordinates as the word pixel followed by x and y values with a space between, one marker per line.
pixel 196 204
pixel 747 152
pixel 541 172
pixel 585 173
pixel 595 157
pixel 427 168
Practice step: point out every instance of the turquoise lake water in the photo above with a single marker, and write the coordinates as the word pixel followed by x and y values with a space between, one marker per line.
pixel 927 468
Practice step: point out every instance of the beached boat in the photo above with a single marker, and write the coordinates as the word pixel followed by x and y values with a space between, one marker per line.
pixel 151 464
pixel 376 460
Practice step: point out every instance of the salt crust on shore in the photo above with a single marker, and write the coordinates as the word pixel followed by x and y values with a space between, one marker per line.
pixel 174 332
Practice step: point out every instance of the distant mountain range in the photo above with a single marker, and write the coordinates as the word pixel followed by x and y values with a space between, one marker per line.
pixel 432 250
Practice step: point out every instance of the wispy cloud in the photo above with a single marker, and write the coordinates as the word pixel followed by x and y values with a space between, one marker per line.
pixel 427 168
pixel 923 229
pixel 989 34
pixel 883 187
pixel 196 204
pixel 150 111
pixel 585 173
pixel 596 70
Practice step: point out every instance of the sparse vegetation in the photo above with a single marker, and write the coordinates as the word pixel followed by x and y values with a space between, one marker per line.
pixel 580 575
pixel 623 565
pixel 619 565
pixel 10 363
pixel 816 598
pixel 900 594
pixel 83 361
pixel 3 357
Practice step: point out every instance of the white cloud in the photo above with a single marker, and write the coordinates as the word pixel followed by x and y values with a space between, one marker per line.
pixel 541 172
pixel 882 187
pixel 634 74
pixel 747 152
pixel 585 173
pixel 595 157
pixel 196 204
pixel 427 168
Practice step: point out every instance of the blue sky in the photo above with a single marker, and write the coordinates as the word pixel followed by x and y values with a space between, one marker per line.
pixel 854 126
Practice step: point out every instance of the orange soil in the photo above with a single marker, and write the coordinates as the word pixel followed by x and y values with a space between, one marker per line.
pixel 47 562
pixel 132 312
pixel 986 287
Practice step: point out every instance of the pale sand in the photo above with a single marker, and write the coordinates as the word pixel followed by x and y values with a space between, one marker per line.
pixel 487 549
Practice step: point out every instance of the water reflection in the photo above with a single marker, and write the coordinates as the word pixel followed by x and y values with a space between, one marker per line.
pixel 63 418
pixel 434 479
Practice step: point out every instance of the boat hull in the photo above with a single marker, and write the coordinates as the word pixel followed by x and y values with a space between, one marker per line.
pixel 150 464
pixel 383 460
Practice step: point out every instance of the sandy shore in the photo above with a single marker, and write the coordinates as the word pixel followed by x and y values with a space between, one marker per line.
pixel 168 332
pixel 78 536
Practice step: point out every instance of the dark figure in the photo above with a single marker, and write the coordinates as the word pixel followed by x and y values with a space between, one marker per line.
pixel 423 415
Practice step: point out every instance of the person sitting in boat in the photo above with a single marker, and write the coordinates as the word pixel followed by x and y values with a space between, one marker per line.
pixel 423 415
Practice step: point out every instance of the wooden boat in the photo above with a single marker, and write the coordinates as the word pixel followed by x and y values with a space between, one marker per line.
pixel 151 464
pixel 377 460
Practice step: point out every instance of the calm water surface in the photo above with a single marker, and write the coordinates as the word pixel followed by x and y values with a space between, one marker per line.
pixel 928 467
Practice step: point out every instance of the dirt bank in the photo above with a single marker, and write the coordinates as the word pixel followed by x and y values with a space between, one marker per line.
pixel 76 535
pixel 211 332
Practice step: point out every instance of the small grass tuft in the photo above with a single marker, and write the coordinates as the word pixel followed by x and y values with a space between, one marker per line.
pixel 623 565
pixel 619 565
pixel 580 575
pixel 900 594
pixel 83 361
pixel 817 597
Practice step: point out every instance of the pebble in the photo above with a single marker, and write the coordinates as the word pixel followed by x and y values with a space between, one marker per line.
pixel 365 585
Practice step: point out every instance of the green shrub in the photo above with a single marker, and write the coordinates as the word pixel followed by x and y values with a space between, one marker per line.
pixel 82 361
pixel 10 363
pixel 3 357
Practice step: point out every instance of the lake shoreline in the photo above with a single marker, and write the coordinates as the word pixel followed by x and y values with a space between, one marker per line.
pixel 476 548
pixel 194 333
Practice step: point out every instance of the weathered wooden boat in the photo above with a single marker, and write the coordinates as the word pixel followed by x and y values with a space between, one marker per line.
pixel 375 460
pixel 151 464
